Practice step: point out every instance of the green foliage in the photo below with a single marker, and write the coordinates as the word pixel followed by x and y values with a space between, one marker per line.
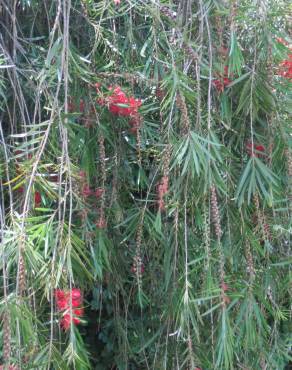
pixel 174 221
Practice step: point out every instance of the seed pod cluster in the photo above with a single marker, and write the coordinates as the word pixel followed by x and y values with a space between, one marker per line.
pixel 6 338
pixel 215 213
pixel 181 104
pixel 21 278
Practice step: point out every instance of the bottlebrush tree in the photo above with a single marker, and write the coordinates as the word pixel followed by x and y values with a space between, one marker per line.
pixel 145 181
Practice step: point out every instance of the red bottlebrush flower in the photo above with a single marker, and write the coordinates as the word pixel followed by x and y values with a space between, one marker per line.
pixel 98 192
pixel 86 191
pixel 76 296
pixel 62 304
pixel 120 104
pixel 60 294
pixel 78 312
pixel 76 321
pixel 285 68
pixel 66 321
pixel 37 199
pixel 61 299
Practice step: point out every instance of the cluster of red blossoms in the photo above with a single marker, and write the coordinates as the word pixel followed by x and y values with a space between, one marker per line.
pixel 286 66
pixel 120 105
pixel 222 80
pixel 257 151
pixel 162 190
pixel 63 300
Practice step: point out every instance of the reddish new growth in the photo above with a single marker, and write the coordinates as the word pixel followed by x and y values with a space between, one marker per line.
pixel 37 199
pixel 162 190
pixel 63 299
pixel 257 151
pixel 222 80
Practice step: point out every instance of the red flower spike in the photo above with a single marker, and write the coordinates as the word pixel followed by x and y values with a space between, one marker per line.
pixel 76 321
pixel 62 304
pixel 61 300
pixel 37 199
pixel 117 2
pixel 120 104
pixel 76 296
pixel 78 312
pixel 60 294
pixel 66 321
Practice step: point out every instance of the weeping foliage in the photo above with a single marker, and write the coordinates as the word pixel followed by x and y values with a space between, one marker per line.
pixel 146 161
